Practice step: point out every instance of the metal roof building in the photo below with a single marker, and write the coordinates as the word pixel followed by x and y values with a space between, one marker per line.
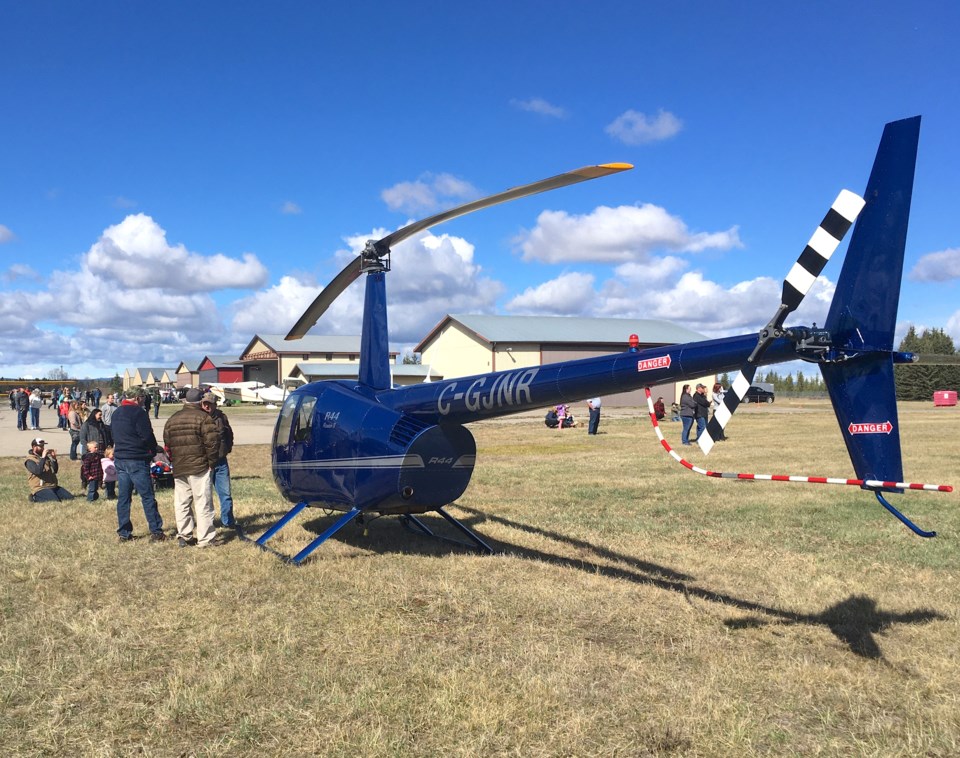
pixel 464 345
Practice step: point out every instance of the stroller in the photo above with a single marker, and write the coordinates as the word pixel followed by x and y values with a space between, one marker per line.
pixel 161 471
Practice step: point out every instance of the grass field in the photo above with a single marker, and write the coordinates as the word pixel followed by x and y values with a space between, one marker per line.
pixel 633 608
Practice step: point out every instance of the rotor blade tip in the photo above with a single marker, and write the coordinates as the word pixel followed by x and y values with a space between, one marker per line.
pixel 617 166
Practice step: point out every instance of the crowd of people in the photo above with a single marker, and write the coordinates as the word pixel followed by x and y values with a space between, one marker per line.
pixel 118 447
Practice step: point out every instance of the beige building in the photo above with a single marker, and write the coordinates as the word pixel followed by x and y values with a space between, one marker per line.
pixel 464 345
pixel 271 358
pixel 149 377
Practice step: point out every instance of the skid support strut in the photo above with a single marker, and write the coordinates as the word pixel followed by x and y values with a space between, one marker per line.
pixel 341 522
pixel 475 540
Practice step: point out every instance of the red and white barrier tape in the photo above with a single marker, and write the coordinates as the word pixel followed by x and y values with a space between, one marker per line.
pixel 782 477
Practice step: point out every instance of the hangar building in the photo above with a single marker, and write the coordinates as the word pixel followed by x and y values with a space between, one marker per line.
pixel 463 345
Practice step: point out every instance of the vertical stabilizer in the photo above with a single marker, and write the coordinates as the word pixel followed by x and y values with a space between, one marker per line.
pixel 864 308
pixel 863 315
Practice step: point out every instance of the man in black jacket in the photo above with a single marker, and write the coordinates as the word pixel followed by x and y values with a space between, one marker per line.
pixel 134 446
pixel 703 408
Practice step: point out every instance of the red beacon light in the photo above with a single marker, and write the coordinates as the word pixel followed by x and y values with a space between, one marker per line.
pixel 634 343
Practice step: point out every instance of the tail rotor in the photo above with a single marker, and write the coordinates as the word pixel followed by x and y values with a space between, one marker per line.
pixel 825 240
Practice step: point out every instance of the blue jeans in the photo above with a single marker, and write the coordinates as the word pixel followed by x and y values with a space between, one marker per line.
pixel 34 418
pixel 221 483
pixel 685 434
pixel 132 474
pixel 594 423
pixel 92 487
pixel 701 426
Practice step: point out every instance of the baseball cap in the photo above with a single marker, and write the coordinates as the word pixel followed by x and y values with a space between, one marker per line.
pixel 38 441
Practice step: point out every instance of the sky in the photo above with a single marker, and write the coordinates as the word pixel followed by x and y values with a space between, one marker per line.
pixel 177 177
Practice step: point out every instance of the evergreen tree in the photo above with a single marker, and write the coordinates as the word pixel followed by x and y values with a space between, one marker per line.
pixel 916 382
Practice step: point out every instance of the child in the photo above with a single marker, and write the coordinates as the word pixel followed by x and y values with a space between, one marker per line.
pixel 109 473
pixel 91 472
pixel 561 415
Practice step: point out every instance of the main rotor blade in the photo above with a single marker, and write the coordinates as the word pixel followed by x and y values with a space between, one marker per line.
pixel 352 270
pixel 555 182
pixel 325 299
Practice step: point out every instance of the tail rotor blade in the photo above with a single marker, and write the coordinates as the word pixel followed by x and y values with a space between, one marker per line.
pixel 821 246
pixel 825 240
pixel 379 248
pixel 731 401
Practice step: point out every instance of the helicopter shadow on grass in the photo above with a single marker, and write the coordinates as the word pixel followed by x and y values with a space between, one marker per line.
pixel 855 621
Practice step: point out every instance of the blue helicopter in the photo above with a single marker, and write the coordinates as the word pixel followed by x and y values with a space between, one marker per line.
pixel 364 448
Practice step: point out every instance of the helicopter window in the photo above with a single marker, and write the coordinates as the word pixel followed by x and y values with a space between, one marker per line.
pixel 305 419
pixel 285 422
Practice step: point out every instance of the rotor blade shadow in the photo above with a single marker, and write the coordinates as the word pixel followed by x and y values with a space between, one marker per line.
pixel 854 621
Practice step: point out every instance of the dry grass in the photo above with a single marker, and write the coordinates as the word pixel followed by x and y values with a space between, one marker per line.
pixel 633 608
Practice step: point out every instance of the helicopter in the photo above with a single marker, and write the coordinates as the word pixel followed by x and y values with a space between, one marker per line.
pixel 364 448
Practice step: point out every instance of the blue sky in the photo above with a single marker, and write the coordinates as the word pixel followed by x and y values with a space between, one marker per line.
pixel 177 177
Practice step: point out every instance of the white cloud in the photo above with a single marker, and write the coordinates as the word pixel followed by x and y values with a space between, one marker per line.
pixel 635 128
pixel 135 300
pixel 539 105
pixel 615 235
pixel 5 234
pixel 431 276
pixel 428 193
pixel 290 208
pixel 135 254
pixel 19 271
pixel 937 267
pixel 953 328
pixel 569 294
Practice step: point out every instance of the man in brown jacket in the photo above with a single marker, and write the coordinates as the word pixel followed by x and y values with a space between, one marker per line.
pixel 192 438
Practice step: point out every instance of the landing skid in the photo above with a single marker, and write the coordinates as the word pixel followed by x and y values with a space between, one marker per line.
pixel 414 524
pixel 408 520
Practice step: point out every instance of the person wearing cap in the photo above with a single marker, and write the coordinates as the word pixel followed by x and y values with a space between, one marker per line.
pixel 221 472
pixel 192 438
pixel 42 467
pixel 134 445
pixel 703 408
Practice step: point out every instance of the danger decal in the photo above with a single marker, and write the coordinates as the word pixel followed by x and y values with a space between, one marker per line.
pixel 650 363
pixel 884 427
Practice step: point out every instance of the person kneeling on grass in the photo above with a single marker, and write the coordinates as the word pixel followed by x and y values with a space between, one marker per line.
pixel 42 470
